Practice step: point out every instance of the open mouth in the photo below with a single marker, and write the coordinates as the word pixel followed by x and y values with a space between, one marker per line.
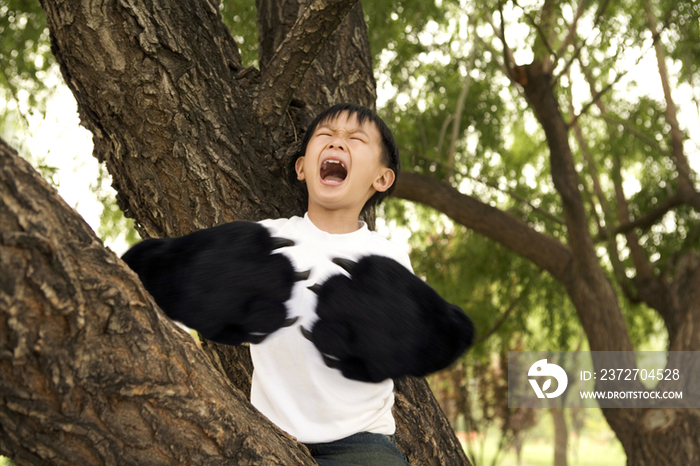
pixel 333 171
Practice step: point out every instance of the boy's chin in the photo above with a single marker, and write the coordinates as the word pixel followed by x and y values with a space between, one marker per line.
pixel 332 203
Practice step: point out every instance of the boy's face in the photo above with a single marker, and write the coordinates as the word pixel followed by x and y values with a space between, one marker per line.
pixel 343 165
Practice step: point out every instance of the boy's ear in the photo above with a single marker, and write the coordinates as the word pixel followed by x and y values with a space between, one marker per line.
pixel 299 168
pixel 384 180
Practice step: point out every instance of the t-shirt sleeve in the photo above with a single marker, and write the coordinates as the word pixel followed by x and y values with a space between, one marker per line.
pixel 404 259
pixel 395 252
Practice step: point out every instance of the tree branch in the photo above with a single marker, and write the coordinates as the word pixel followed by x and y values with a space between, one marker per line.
pixel 503 317
pixel 572 30
pixel 685 183
pixel 91 371
pixel 423 136
pixel 592 293
pixel 511 68
pixel 459 109
pixel 443 134
pixel 632 130
pixel 608 214
pixel 648 220
pixel 659 211
pixel 641 263
pixel 544 251
pixel 596 97
pixel 544 12
pixel 492 185
pixel 295 54
pixel 577 52
pixel 495 53
pixel 610 219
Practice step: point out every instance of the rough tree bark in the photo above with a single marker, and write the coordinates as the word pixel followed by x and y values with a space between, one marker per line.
pixel 92 373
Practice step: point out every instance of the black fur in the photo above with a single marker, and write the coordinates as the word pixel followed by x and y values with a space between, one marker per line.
pixel 384 322
pixel 223 281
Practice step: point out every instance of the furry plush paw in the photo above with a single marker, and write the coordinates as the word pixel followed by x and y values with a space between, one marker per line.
pixel 225 281
pixel 383 322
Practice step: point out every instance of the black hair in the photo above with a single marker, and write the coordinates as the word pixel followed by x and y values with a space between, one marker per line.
pixel 390 151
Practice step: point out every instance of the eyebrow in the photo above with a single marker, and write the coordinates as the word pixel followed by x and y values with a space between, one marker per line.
pixel 357 129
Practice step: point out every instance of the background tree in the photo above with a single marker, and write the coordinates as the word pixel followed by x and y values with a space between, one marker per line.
pixel 624 255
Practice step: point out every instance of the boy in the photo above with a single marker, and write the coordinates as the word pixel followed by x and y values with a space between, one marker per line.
pixel 348 161
pixel 322 371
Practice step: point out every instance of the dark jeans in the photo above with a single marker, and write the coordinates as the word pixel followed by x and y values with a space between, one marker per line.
pixel 363 449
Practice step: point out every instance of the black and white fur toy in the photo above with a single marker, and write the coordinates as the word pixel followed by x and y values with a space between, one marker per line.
pixel 380 321
pixel 225 281
pixel 383 322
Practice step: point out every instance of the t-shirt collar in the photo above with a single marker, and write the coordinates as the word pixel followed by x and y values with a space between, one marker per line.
pixel 313 229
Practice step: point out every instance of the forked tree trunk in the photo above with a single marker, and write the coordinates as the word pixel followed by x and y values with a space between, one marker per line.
pixel 91 372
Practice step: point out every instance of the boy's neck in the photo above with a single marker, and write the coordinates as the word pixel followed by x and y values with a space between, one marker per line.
pixel 334 221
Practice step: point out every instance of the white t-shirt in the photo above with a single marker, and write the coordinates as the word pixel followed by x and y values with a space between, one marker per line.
pixel 292 385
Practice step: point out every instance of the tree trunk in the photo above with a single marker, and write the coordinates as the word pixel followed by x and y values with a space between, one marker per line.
pixel 518 442
pixel 191 140
pixel 91 371
pixel 423 433
pixel 561 436
pixel 342 71
pixel 161 88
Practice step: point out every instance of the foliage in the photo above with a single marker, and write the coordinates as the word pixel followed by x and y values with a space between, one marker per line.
pixel 27 80
pixel 241 18
pixel 682 18
pixel 25 57
pixel 501 156
pixel 113 224
pixel 489 281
